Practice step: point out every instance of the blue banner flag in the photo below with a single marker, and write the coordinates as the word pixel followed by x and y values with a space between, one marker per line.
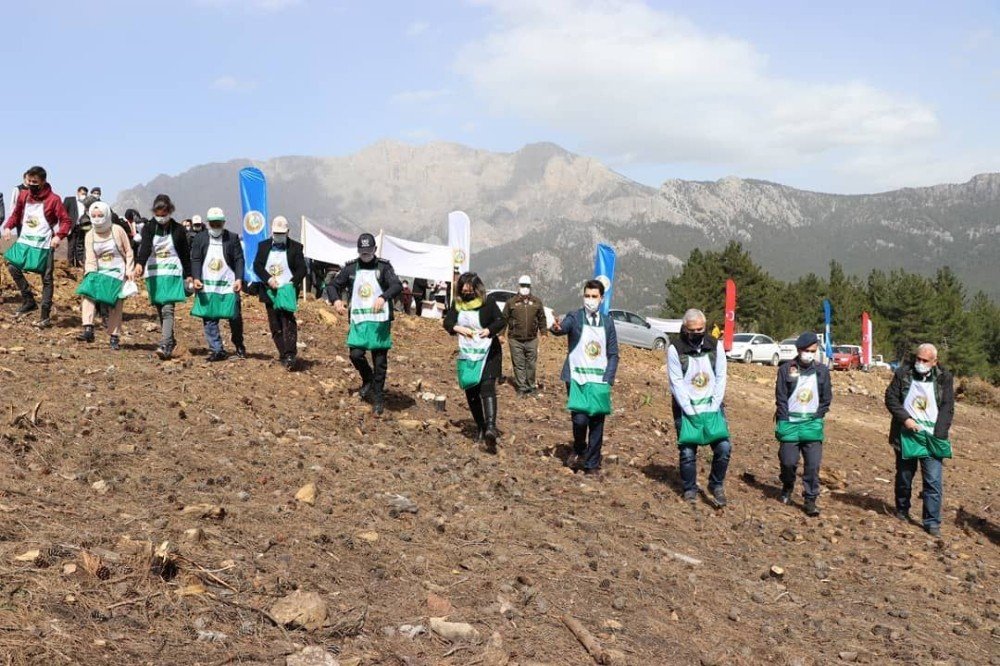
pixel 828 318
pixel 604 270
pixel 253 196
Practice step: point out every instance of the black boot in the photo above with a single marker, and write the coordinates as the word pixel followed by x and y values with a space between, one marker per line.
pixel 44 320
pixel 87 335
pixel 490 417
pixel 476 409
pixel 378 402
pixel 27 306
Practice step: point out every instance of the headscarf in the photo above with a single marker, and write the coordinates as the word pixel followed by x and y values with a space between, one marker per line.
pixel 103 227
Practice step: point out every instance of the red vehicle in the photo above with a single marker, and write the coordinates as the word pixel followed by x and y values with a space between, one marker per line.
pixel 847 357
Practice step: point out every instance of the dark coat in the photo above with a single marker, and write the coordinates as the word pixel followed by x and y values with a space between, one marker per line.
pixel 232 249
pixel 786 382
pixel 490 318
pixel 296 263
pixel 179 235
pixel 387 280
pixel 572 325
pixel 895 395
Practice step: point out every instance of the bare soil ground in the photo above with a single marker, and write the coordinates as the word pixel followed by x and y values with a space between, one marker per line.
pixel 125 453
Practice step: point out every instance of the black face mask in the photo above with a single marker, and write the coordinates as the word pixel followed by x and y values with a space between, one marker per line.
pixel 468 297
pixel 695 339
pixel 35 189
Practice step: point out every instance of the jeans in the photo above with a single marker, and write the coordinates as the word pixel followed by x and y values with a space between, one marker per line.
pixel 932 471
pixel 284 331
pixel 812 456
pixel 689 465
pixel 524 358
pixel 166 315
pixel 25 287
pixel 380 359
pixel 213 334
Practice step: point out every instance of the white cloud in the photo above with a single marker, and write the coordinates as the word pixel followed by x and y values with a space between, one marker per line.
pixel 232 84
pixel 419 96
pixel 417 28
pixel 632 81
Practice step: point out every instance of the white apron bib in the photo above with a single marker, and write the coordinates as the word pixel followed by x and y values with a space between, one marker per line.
pixel 588 361
pixel 164 273
pixel 368 329
pixel 472 352
pixel 33 247
pixel 216 300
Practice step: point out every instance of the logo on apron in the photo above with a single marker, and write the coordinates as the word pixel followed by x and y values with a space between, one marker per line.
pixel 700 380
pixel 215 264
pixel 107 257
pixel 274 270
pixel 365 291
pixel 163 254
pixel 592 350
pixel 805 395
pixel 33 222
pixel 920 404
pixel 253 222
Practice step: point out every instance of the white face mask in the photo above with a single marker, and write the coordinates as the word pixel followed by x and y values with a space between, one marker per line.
pixel 591 305
pixel 102 225
pixel 279 238
pixel 160 219
pixel 807 356
pixel 524 291
pixel 215 233
pixel 922 368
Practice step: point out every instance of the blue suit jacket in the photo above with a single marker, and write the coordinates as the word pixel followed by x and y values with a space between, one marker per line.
pixel 572 325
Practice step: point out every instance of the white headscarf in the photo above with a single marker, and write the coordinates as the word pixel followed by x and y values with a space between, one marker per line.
pixel 102 225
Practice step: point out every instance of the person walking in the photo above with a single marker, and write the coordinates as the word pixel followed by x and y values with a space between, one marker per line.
pixel 478 323
pixel 406 297
pixel 108 264
pixel 42 224
pixel 802 397
pixel 281 266
pixel 165 259
pixel 696 368
pixel 217 266
pixel 76 208
pixel 921 400
pixel 373 286
pixel 419 295
pixel 589 373
pixel 525 317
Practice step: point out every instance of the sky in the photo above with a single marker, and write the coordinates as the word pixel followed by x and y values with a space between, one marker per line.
pixel 840 96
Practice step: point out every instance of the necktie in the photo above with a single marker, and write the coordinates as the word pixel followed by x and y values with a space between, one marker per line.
pixel 593 320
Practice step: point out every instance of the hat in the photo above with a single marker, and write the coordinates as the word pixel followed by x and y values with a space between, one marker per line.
pixel 807 339
pixel 215 215
pixel 163 201
pixel 196 219
pixel 96 188
pixel 279 225
pixel 525 279
pixel 366 242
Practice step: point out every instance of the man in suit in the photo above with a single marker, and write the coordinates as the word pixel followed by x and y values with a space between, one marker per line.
pixel 281 266
pixel 76 208
pixel 589 373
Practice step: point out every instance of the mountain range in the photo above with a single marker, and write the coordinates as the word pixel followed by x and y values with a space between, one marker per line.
pixel 542 209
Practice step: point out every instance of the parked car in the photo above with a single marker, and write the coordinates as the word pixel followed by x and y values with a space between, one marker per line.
pixel 501 296
pixel 846 357
pixel 879 362
pixel 787 350
pixel 634 330
pixel 754 348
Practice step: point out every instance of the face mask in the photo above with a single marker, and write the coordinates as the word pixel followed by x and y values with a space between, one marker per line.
pixel 591 304
pixel 35 189
pixel 921 368
pixel 101 224
pixel 161 219
pixel 279 239
pixel 524 291
pixel 468 297
pixel 366 258
pixel 807 357
pixel 215 233
pixel 694 338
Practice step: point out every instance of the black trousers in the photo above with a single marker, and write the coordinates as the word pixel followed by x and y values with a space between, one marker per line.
pixel 25 287
pixel 284 330
pixel 588 437
pixel 812 455
pixel 376 374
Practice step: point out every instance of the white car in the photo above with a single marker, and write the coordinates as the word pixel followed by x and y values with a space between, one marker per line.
pixel 754 348
pixel 787 350
pixel 501 296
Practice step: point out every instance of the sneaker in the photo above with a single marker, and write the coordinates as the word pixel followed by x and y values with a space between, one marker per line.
pixel 115 344
pixel 87 335
pixel 26 307
pixel 241 352
pixel 691 497
pixel 44 322
pixel 786 497
pixel 719 498
pixel 163 352
pixel 365 391
pixel 934 531
pixel 903 515
pixel 810 508
pixel 217 356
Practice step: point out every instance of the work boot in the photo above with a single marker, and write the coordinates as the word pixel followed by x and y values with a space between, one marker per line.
pixel 810 507
pixel 934 531
pixel 691 497
pixel 115 344
pixel 490 434
pixel 378 403
pixel 27 306
pixel 290 361
pixel 87 335
pixel 903 515
pixel 241 352
pixel 786 496
pixel 217 356
pixel 366 390
pixel 164 352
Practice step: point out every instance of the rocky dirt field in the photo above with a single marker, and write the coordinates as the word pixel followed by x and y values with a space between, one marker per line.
pixel 235 513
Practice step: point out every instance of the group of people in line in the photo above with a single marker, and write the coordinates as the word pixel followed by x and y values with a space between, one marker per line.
pixel 211 266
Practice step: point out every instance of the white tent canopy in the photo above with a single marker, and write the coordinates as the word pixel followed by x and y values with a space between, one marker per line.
pixel 432 262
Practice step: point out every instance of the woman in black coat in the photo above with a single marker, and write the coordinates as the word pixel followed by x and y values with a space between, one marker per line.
pixel 478 322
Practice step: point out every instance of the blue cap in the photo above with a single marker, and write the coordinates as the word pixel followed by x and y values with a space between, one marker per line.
pixel 807 339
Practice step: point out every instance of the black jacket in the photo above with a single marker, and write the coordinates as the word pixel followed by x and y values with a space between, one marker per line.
pixel 785 384
pixel 180 243
pixel 232 249
pixel 296 263
pixel 491 318
pixel 387 280
pixel 895 395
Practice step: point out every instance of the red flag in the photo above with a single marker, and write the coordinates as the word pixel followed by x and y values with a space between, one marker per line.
pixel 727 334
pixel 866 340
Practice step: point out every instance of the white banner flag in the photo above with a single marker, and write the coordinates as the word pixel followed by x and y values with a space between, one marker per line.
pixel 321 246
pixel 460 239
pixel 433 262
